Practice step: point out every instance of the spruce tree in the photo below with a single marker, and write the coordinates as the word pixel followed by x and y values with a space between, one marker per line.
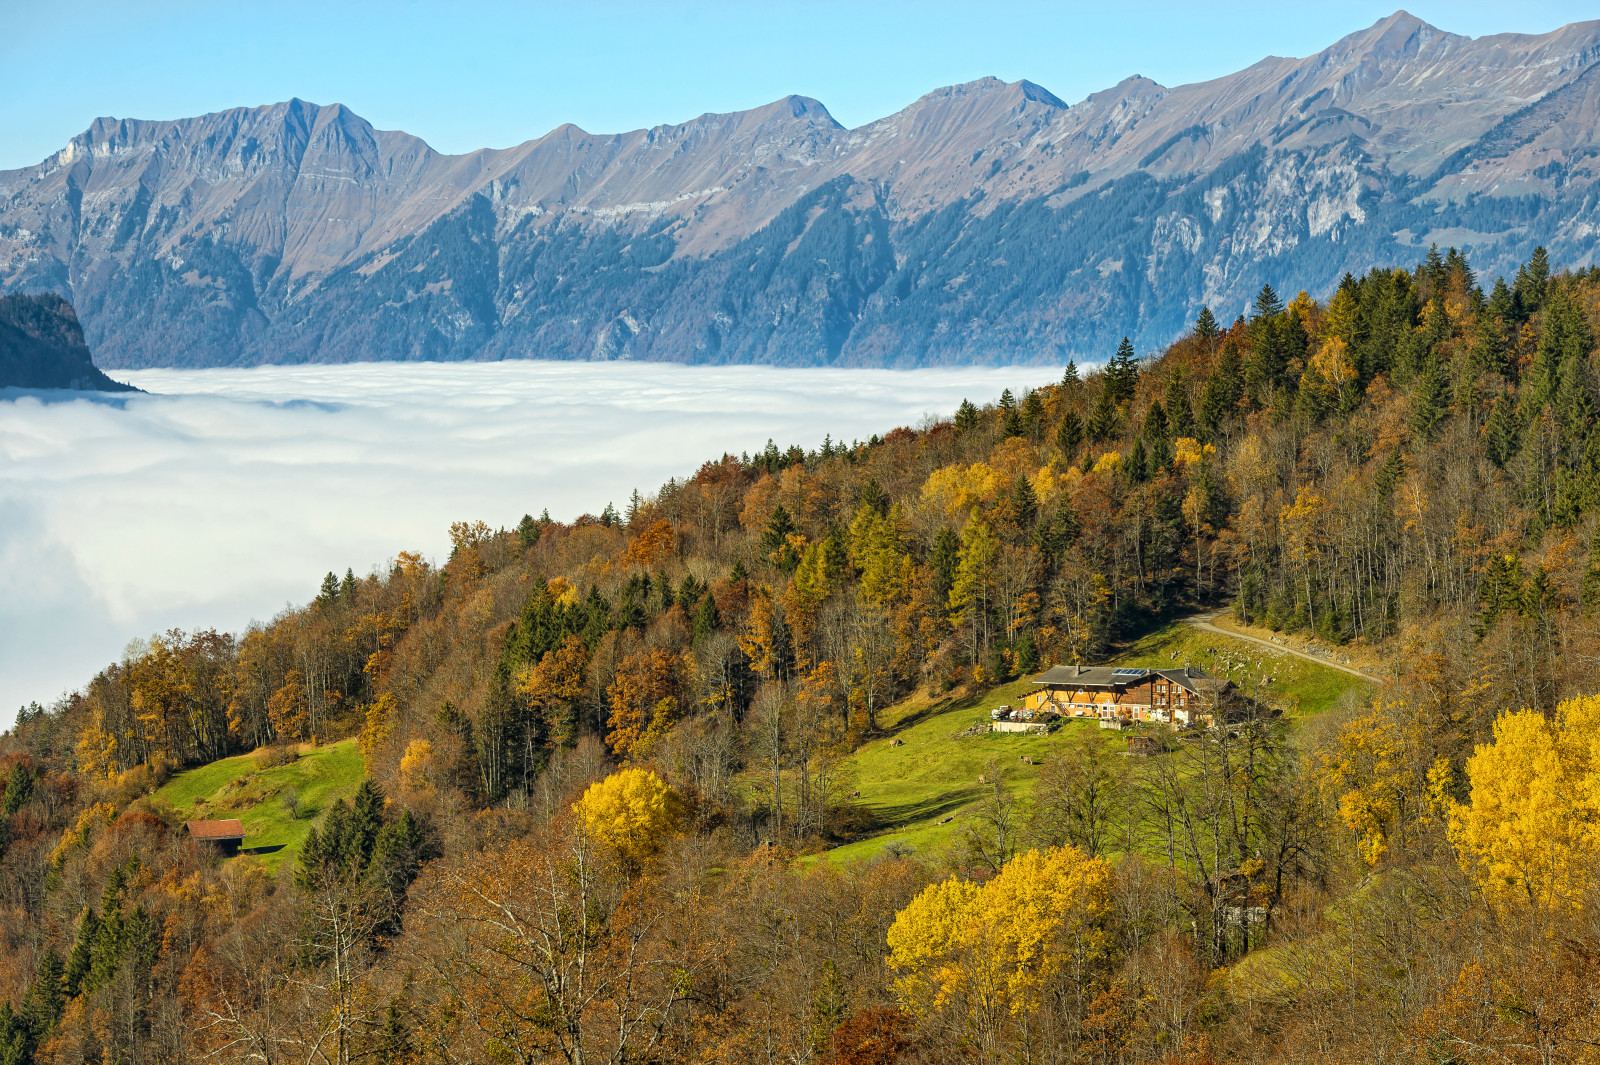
pixel 966 416
pixel 1121 374
pixel 1024 503
pixel 706 619
pixel 1070 376
pixel 527 531
pixel 81 957
pixel 1155 423
pixel 1069 435
pixel 1137 465
pixel 1221 393
pixel 1532 281
pixel 944 559
pixel 1503 436
pixel 328 594
pixel 1429 400
pixel 1205 328
pixel 1180 415
pixel 1266 305
pixel 1102 419
pixel 19 787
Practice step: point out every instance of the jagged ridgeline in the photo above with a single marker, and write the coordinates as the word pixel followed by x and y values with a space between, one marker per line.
pixel 1410 468
pixel 984 222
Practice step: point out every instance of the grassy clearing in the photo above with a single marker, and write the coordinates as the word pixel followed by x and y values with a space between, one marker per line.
pixel 1299 687
pixel 235 787
pixel 912 789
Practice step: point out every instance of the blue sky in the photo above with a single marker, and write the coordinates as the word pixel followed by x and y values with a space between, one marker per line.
pixel 465 75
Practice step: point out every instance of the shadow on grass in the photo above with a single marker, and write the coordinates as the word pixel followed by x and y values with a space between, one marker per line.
pixel 890 818
pixel 272 849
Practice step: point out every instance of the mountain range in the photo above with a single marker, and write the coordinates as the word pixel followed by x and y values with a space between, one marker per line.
pixel 989 221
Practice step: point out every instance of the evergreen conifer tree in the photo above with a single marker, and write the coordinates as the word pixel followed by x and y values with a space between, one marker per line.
pixel 1180 415
pixel 944 559
pixel 1429 400
pixel 1121 374
pixel 1070 376
pixel 1102 419
pixel 1069 435
pixel 966 416
pixel 706 619
pixel 1138 463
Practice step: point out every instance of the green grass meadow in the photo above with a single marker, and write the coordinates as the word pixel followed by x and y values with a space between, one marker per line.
pixel 933 773
pixel 235 787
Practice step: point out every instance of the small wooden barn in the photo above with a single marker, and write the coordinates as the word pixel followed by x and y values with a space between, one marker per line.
pixel 226 836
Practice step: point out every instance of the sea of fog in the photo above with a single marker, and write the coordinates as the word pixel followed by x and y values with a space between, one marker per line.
pixel 224 495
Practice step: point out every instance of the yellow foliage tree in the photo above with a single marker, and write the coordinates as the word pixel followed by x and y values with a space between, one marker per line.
pixel 990 952
pixel 1530 831
pixel 632 810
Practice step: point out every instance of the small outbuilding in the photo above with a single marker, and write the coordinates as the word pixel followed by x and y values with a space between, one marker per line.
pixel 226 835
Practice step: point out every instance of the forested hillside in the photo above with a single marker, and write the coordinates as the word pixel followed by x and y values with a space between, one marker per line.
pixel 599 754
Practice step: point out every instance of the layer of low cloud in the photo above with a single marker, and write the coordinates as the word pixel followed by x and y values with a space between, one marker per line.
pixel 224 495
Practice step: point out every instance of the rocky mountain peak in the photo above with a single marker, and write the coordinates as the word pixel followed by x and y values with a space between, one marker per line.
pixel 989 219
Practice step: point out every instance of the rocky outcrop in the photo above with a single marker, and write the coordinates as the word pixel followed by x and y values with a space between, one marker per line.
pixel 41 346
pixel 986 221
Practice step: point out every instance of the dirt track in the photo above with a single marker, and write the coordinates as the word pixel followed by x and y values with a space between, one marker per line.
pixel 1203 622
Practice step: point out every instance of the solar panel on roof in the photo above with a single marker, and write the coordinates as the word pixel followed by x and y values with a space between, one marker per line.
pixel 1129 672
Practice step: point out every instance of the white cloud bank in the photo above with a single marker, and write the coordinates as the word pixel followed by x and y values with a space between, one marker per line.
pixel 226 494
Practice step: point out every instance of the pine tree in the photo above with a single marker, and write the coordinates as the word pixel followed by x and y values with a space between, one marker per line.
pixel 608 516
pixel 1429 400
pixel 1069 435
pixel 1155 423
pixel 82 954
pixel 46 999
pixel 966 416
pixel 19 787
pixel 527 531
pixel 1024 503
pixel 1205 328
pixel 775 545
pixel 944 559
pixel 873 496
pixel 1054 537
pixel 1504 431
pixel 1102 419
pixel 1070 377
pixel 1267 304
pixel 1221 393
pixel 1121 374
pixel 1180 415
pixel 329 592
pixel 1532 282
pixel 706 619
pixel 1137 464
pixel 1032 412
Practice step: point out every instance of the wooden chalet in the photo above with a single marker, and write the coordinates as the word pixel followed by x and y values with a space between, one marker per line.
pixel 226 835
pixel 1119 695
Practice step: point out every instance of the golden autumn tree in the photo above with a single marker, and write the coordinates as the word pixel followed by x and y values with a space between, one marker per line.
pixel 1530 830
pixel 987 954
pixel 632 810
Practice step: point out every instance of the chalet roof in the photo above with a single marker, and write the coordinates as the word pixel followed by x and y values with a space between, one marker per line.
pixel 1196 680
pixel 215 830
pixel 1107 677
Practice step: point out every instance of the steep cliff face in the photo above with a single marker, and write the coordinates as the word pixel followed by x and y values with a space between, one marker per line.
pixel 985 221
pixel 41 346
